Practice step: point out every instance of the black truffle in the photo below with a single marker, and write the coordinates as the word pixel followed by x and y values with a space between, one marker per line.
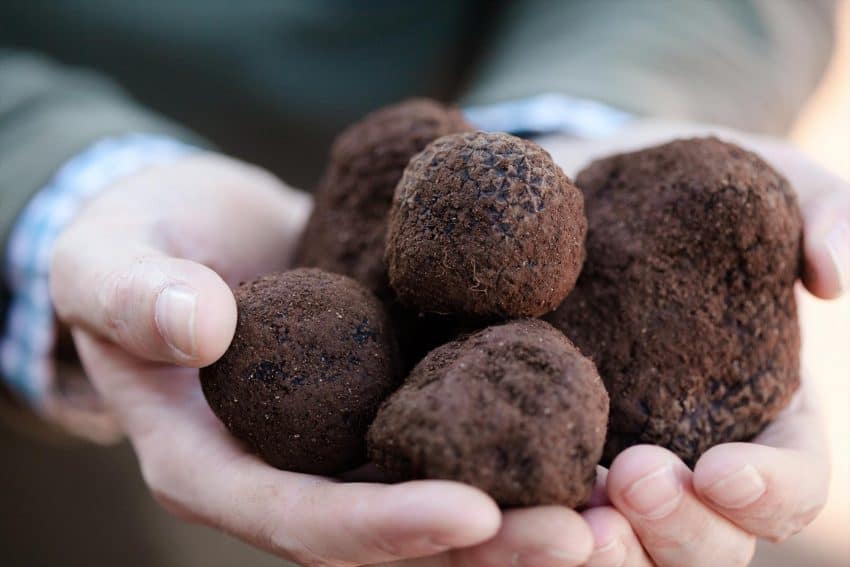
pixel 312 359
pixel 686 301
pixel 485 225
pixel 514 409
pixel 347 229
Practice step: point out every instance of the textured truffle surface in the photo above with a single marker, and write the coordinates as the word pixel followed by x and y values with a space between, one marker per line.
pixel 312 359
pixel 686 300
pixel 514 409
pixel 485 225
pixel 347 230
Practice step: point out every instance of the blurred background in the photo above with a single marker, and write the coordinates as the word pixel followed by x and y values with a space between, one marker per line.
pixel 38 535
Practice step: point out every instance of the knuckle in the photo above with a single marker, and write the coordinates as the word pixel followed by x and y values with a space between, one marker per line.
pixel 176 508
pixel 163 487
pixel 116 297
pixel 794 524
pixel 280 542
pixel 742 554
pixel 281 538
pixel 155 477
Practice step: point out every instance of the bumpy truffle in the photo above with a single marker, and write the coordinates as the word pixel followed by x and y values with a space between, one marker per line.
pixel 686 300
pixel 347 229
pixel 485 225
pixel 514 409
pixel 312 359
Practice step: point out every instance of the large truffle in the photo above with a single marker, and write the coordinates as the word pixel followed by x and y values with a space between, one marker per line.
pixel 514 409
pixel 347 229
pixel 686 301
pixel 312 359
pixel 485 225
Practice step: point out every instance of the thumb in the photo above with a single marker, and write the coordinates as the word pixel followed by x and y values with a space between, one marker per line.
pixel 827 244
pixel 154 306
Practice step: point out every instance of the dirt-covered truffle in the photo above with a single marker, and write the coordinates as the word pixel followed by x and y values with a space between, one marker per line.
pixel 514 409
pixel 686 300
pixel 347 229
pixel 485 225
pixel 312 359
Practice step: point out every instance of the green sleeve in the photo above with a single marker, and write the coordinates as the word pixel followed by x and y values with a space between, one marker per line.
pixel 749 64
pixel 48 113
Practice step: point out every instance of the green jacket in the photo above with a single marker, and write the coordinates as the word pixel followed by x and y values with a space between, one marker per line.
pixel 271 82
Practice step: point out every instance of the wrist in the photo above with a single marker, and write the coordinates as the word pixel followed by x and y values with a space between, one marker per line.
pixel 27 344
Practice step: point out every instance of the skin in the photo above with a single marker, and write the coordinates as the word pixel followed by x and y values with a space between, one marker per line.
pixel 142 275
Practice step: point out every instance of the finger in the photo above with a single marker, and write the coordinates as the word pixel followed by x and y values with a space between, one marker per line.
pixel 198 471
pixel 154 306
pixel 599 496
pixel 773 489
pixel 769 492
pixel 615 543
pixel 545 536
pixel 827 244
pixel 651 487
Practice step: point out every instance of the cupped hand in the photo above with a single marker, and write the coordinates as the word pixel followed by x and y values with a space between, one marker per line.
pixel 659 512
pixel 142 276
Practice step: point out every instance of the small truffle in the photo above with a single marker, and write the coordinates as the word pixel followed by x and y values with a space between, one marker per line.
pixel 485 225
pixel 686 301
pixel 347 229
pixel 514 409
pixel 312 359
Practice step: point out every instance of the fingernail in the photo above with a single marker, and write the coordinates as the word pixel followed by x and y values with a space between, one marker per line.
pixel 612 554
pixel 838 245
pixel 739 489
pixel 176 308
pixel 656 494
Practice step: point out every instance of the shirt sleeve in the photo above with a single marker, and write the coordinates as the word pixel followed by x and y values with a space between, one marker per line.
pixel 50 112
pixel 27 342
pixel 549 113
pixel 748 64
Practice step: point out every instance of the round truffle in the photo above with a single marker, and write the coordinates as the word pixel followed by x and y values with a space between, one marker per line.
pixel 514 409
pixel 686 301
pixel 347 230
pixel 485 225
pixel 312 359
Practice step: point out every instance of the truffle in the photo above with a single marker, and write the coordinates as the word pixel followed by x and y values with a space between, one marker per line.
pixel 347 230
pixel 686 301
pixel 514 409
pixel 485 225
pixel 312 359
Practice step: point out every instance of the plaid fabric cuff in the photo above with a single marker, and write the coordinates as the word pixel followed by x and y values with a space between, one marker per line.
pixel 549 114
pixel 28 339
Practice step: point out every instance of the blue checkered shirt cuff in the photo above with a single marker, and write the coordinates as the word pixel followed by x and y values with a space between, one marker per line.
pixel 27 342
pixel 550 113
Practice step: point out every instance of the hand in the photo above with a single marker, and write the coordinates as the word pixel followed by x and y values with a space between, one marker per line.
pixel 141 276
pixel 656 510
pixel 662 513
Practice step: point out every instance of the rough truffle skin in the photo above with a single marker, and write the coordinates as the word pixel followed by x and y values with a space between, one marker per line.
pixel 686 300
pixel 514 409
pixel 346 232
pixel 312 359
pixel 485 225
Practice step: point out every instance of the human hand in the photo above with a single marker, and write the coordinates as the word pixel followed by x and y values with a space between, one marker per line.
pixel 656 510
pixel 141 276
pixel 659 512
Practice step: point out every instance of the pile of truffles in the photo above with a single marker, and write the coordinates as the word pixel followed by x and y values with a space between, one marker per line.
pixel 435 247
